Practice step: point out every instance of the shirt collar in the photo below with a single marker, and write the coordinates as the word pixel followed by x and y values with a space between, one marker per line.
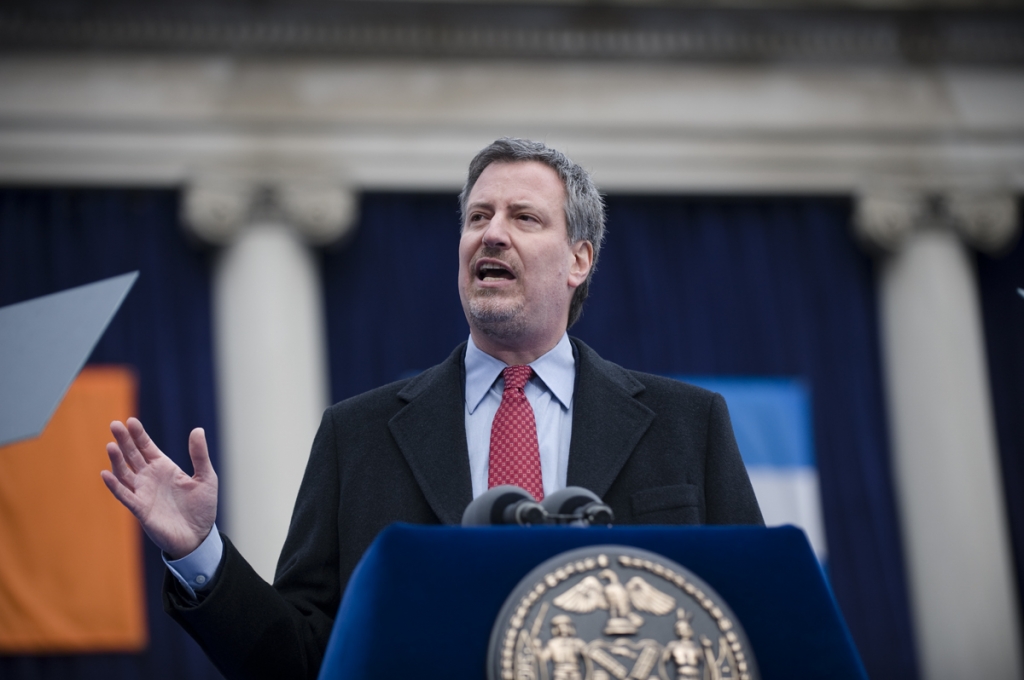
pixel 556 369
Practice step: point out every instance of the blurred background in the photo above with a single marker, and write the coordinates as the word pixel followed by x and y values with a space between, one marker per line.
pixel 813 207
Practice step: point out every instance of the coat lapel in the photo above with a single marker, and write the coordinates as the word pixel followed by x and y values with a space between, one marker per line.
pixel 431 433
pixel 607 421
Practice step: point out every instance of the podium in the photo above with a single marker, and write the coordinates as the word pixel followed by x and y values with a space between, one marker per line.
pixel 423 600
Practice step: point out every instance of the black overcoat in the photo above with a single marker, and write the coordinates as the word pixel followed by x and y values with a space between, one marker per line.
pixel 657 450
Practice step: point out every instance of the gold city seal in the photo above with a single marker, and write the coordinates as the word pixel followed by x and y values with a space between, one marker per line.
pixel 612 611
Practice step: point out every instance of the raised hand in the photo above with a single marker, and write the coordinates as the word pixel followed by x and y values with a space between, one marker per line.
pixel 175 510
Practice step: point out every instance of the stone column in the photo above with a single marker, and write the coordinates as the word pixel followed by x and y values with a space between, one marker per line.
pixel 270 347
pixel 945 458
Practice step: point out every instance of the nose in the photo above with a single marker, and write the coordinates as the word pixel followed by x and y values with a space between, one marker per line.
pixel 496 234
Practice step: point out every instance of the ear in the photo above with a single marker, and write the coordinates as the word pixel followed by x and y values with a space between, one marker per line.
pixel 582 260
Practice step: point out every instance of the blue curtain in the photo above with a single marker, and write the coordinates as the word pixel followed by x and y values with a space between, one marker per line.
pixel 685 285
pixel 52 239
pixel 1002 309
pixel 391 294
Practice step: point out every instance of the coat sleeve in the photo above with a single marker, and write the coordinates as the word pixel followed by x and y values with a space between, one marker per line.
pixel 251 629
pixel 728 496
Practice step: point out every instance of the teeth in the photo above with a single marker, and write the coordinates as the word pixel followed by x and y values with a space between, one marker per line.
pixel 493 272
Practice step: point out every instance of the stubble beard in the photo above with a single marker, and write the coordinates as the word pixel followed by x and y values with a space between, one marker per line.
pixel 496 317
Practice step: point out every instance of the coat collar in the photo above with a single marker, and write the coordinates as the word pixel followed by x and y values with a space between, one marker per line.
pixel 430 430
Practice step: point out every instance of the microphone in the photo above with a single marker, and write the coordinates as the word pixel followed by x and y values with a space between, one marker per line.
pixel 505 504
pixel 578 506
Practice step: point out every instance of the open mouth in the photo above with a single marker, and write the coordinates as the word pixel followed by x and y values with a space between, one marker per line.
pixel 493 271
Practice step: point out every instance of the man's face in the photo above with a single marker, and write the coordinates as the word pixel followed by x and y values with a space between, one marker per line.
pixel 517 269
pixel 563 629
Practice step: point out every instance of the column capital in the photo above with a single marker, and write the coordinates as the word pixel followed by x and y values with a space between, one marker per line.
pixel 321 211
pixel 218 208
pixel 988 221
pixel 985 219
pixel 883 219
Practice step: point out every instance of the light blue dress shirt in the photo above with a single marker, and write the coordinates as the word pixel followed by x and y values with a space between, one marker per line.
pixel 549 392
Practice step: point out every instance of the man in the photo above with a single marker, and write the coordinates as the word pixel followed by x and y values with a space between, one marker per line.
pixel 656 450
pixel 564 649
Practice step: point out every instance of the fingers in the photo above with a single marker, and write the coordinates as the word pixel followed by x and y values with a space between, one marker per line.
pixel 134 450
pixel 120 469
pixel 119 490
pixel 126 443
pixel 199 452
pixel 145 445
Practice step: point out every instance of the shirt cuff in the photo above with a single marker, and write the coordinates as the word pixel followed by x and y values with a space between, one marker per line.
pixel 196 571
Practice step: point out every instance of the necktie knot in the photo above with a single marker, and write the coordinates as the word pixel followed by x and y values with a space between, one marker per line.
pixel 516 377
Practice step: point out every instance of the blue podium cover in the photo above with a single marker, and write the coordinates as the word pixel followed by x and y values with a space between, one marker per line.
pixel 423 600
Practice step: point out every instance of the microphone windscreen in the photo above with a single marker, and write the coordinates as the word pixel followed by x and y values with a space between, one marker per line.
pixel 568 500
pixel 489 507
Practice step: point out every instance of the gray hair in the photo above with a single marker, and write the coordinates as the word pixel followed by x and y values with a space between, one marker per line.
pixel 584 207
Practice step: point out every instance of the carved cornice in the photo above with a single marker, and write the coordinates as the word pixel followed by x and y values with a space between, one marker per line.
pixel 527 30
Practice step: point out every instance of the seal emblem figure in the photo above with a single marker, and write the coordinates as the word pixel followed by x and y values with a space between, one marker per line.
pixel 590 594
pixel 611 611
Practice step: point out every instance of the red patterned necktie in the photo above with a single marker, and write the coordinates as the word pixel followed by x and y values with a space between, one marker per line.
pixel 515 455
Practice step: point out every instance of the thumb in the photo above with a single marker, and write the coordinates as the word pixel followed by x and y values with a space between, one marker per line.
pixel 199 452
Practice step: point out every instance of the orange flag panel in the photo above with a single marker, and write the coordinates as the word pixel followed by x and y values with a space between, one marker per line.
pixel 70 557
